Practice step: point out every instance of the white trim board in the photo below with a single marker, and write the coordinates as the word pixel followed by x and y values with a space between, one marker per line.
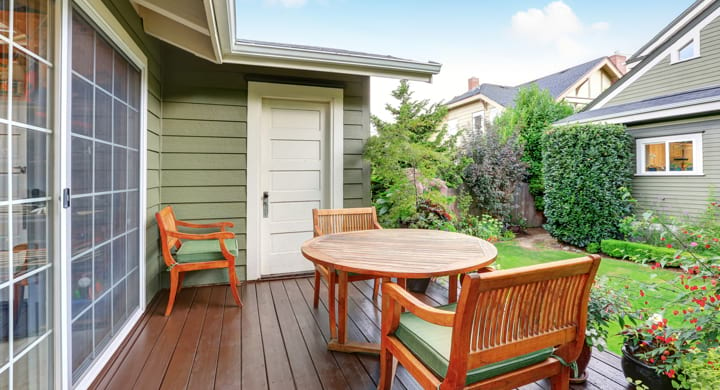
pixel 257 91
pixel 695 31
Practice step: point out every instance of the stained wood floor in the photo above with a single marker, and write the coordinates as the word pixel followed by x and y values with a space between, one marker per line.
pixel 277 341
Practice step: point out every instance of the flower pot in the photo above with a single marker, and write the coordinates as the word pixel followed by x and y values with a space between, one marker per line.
pixel 635 369
pixel 418 285
pixel 582 362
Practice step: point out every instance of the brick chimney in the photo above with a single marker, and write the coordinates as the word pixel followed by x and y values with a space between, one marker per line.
pixel 619 61
pixel 473 83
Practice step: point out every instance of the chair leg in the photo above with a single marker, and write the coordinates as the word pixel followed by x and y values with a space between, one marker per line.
pixel 233 285
pixel 174 278
pixel 181 277
pixel 376 288
pixel 388 365
pixel 316 293
pixel 561 381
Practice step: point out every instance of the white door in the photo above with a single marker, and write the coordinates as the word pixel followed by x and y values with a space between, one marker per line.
pixel 294 180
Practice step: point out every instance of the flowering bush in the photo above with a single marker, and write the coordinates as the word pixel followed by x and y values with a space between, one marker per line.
pixel 679 350
pixel 606 305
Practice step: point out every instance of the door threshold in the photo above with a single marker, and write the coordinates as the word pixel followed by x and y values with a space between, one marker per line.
pixel 291 275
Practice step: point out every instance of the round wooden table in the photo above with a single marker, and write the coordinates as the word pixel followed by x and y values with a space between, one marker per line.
pixel 392 253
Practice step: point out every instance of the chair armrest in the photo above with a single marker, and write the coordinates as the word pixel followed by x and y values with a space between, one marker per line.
pixel 377 225
pixel 206 236
pixel 428 313
pixel 221 225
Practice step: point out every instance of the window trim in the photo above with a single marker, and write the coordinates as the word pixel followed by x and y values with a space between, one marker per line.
pixel 696 139
pixel 482 124
pixel 675 53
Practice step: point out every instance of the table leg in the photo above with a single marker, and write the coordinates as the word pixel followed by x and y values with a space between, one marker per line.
pixel 342 306
pixel 452 288
pixel 332 281
pixel 402 282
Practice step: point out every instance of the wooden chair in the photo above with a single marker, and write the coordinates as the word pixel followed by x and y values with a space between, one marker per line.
pixel 509 328
pixel 197 252
pixel 329 221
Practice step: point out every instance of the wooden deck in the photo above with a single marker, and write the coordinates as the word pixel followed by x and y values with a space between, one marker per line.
pixel 276 341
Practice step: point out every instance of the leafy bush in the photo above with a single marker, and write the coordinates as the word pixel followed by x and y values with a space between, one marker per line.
pixel 593 247
pixel 494 170
pixel 406 156
pixel 638 252
pixel 485 227
pixel 588 169
pixel 534 112
pixel 701 372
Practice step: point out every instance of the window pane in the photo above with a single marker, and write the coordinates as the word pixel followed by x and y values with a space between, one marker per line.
pixel 34 370
pixel 103 167
pixel 82 47
pixel 81 284
pixel 82 169
pixel 102 281
pixel 133 290
pixel 103 320
pixel 4 344
pixel 687 51
pixel 118 214
pixel 82 107
pixel 103 215
pixel 31 309
pixel 119 253
pixel 119 168
pixel 134 88
pixel 4 245
pixel 133 129
pixel 103 115
pixel 31 237
pixel 31 100
pixel 120 77
pixel 120 123
pixel 82 344
pixel 119 306
pixel 681 156
pixel 81 224
pixel 31 154
pixel 655 157
pixel 103 64
pixel 4 84
pixel 32 20
pixel 4 153
pixel 5 19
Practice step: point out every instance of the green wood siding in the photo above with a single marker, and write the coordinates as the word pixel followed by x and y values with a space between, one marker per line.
pixel 204 141
pixel 681 195
pixel 665 78
pixel 125 14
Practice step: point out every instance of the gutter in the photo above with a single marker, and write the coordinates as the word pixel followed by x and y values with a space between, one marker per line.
pixel 627 115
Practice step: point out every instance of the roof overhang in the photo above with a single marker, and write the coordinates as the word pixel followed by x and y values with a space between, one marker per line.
pixel 472 99
pixel 661 112
pixel 207 28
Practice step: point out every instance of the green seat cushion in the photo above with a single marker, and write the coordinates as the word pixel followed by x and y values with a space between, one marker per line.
pixel 430 343
pixel 193 251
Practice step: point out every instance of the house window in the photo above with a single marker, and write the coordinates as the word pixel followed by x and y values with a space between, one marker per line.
pixel 452 126
pixel 687 50
pixel 479 121
pixel 674 155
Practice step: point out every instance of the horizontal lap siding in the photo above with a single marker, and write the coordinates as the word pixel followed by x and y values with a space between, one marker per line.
pixel 666 78
pixel 125 14
pixel 204 143
pixel 681 195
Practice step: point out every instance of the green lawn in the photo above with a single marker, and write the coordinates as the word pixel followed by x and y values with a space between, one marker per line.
pixel 619 274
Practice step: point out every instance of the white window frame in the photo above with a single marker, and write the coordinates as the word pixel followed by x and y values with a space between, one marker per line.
pixel 452 126
pixel 696 139
pixel 480 114
pixel 675 53
pixel 106 23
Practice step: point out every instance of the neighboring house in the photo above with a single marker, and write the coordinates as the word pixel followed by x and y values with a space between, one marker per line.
pixel 578 86
pixel 103 124
pixel 670 103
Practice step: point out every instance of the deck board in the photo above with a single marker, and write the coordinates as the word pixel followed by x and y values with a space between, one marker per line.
pixel 276 341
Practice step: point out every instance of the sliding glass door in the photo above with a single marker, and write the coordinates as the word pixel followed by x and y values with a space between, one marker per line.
pixel 105 192
pixel 26 134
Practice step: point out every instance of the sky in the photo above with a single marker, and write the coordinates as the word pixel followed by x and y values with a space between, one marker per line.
pixel 500 42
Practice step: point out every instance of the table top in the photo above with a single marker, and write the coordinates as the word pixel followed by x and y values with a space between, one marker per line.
pixel 404 253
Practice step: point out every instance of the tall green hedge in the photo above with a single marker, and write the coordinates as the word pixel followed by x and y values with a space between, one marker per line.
pixel 587 169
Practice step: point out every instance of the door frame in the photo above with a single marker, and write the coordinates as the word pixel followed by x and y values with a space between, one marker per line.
pixel 257 91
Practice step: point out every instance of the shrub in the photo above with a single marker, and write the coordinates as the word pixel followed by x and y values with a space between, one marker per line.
pixel 535 110
pixel 485 227
pixel 636 251
pixel 494 170
pixel 593 247
pixel 588 169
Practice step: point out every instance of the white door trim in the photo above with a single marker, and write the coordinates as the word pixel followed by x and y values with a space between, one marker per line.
pixel 258 91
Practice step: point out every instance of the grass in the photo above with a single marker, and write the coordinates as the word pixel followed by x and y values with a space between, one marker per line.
pixel 620 274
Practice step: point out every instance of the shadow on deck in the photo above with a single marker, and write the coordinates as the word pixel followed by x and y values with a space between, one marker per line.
pixel 278 340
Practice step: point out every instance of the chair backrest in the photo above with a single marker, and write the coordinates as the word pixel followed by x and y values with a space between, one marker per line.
pixel 509 313
pixel 166 223
pixel 329 221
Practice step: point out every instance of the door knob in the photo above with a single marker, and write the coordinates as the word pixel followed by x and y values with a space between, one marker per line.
pixel 266 199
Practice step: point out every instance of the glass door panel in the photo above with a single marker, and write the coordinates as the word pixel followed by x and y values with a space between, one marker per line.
pixel 105 201
pixel 26 139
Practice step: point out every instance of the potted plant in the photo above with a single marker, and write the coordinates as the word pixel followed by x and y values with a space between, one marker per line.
pixel 605 306
pixel 673 354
